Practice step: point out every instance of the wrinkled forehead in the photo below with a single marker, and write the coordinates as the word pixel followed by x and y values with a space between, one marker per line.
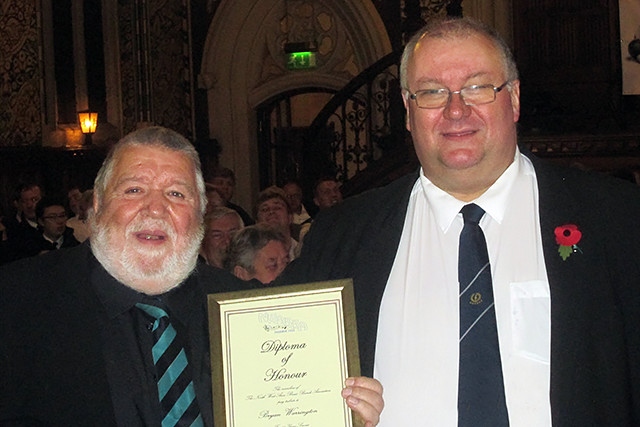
pixel 152 164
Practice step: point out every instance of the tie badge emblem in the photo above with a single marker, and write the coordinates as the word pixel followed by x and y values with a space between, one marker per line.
pixel 475 298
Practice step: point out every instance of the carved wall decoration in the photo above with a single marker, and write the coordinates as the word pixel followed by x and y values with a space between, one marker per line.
pixel 306 21
pixel 20 73
pixel 155 64
pixel 126 27
pixel 171 70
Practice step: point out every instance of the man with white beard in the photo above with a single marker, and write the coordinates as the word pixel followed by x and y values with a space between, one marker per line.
pixel 77 327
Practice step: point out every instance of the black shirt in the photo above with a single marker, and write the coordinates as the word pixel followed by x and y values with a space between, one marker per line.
pixel 127 340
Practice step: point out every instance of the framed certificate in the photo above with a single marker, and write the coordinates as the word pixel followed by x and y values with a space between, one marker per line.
pixel 280 355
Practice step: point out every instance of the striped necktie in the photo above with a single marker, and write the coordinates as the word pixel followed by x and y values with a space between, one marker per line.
pixel 481 399
pixel 175 387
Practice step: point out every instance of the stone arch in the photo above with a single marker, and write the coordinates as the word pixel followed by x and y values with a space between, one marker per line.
pixel 240 70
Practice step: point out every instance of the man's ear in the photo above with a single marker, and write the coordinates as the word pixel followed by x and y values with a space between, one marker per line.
pixel 405 101
pixel 95 203
pixel 515 99
pixel 242 273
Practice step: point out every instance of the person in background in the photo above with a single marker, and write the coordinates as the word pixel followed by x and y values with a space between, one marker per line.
pixel 301 218
pixel 78 326
pixel 273 209
pixel 327 193
pixel 73 199
pixel 224 181
pixel 257 252
pixel 220 225
pixel 22 230
pixel 52 218
pixel 214 199
pixel 27 197
pixel 562 308
pixel 79 222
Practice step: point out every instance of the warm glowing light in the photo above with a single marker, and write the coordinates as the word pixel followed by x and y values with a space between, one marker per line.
pixel 88 121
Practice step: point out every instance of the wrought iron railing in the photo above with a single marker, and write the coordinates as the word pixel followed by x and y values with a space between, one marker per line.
pixel 362 121
pixel 363 124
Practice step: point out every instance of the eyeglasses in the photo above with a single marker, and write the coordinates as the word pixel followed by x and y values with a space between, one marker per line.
pixel 54 217
pixel 471 95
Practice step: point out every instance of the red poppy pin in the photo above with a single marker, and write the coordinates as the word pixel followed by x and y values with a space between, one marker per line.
pixel 568 236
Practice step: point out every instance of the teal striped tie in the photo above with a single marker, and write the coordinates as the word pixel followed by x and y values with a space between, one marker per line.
pixel 175 387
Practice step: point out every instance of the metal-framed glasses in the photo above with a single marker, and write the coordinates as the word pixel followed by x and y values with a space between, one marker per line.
pixel 471 95
pixel 54 217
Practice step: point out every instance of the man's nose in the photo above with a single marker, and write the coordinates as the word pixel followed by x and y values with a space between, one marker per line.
pixel 456 108
pixel 226 238
pixel 156 203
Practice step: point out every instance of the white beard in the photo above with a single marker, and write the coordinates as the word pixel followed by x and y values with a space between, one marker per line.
pixel 150 271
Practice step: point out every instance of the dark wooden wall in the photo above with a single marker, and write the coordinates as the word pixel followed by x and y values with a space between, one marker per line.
pixel 568 54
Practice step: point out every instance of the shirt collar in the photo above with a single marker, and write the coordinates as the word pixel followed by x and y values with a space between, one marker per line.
pixel 118 298
pixel 446 208
pixel 57 242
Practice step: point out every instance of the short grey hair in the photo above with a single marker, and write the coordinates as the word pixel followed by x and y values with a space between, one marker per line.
pixel 155 136
pixel 247 242
pixel 455 27
pixel 220 212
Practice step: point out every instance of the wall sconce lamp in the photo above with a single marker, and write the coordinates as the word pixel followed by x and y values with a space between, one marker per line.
pixel 88 122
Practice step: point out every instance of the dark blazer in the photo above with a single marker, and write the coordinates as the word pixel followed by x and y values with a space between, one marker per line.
pixel 21 240
pixel 595 295
pixel 52 369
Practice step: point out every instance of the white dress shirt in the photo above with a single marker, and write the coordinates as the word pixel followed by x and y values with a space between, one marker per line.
pixel 417 347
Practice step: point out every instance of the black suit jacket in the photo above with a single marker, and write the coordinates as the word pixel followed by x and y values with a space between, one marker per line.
pixel 52 368
pixel 595 296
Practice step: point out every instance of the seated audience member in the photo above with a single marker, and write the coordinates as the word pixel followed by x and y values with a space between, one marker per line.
pixel 22 229
pixel 257 252
pixel 220 224
pixel 52 219
pixel 224 181
pixel 301 219
pixel 273 209
pixel 73 199
pixel 26 198
pixel 327 193
pixel 214 199
pixel 79 222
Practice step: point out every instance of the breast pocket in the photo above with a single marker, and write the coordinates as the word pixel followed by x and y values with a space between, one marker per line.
pixel 531 320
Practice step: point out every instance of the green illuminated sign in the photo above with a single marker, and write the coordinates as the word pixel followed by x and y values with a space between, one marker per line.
pixel 301 60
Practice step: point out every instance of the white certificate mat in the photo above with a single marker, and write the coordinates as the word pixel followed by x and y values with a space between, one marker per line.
pixel 280 355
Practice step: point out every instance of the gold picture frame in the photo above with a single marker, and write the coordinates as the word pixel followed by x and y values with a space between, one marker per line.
pixel 280 355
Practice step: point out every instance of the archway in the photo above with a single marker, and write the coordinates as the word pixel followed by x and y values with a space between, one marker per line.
pixel 243 66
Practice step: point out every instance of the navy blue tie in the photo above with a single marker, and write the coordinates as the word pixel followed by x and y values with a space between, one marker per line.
pixel 481 400
pixel 175 388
